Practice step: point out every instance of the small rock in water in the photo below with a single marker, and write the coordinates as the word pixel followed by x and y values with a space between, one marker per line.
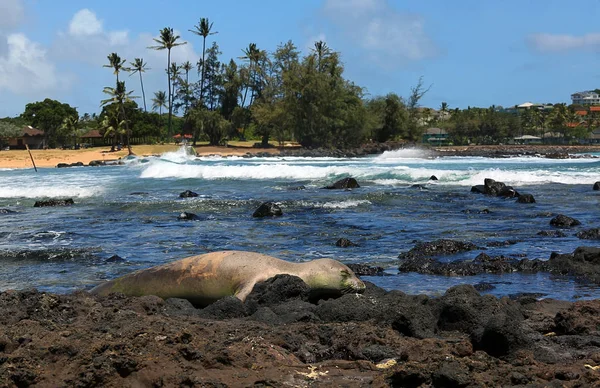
pixel 526 198
pixel 344 243
pixel 551 233
pixel 433 178
pixel 185 216
pixel 6 211
pixel 138 193
pixel 54 202
pixel 63 165
pixel 115 259
pixel 484 286
pixel 346 183
pixel 188 194
pixel 419 186
pixel 268 209
pixel 597 186
pixel 562 221
pixel 590 234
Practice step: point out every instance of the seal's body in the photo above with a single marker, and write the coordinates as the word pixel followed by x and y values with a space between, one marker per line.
pixel 206 278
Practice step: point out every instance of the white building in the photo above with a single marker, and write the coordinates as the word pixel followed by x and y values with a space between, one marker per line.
pixel 586 98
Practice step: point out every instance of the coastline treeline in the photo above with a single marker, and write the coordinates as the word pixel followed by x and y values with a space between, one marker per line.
pixel 278 95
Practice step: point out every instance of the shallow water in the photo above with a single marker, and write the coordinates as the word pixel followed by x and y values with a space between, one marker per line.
pixel 132 210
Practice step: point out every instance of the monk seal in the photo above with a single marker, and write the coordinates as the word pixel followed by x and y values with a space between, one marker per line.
pixel 206 278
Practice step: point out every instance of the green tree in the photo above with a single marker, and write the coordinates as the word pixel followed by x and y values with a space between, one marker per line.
pixel 119 96
pixel 69 128
pixel 7 131
pixel 116 63
pixel 416 94
pixel 212 122
pixel 166 41
pixel 203 29
pixel 159 102
pixel 48 115
pixel 139 66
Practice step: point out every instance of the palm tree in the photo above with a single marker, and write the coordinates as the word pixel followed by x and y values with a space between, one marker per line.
pixel 203 29
pixel 167 40
pixel 139 66
pixel 120 96
pixel 112 127
pixel 187 67
pixel 69 127
pixel 159 101
pixel 115 61
pixel 175 72
pixel 252 55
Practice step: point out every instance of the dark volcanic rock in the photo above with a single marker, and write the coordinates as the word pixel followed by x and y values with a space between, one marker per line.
pixel 268 209
pixel 596 186
pixel 583 262
pixel 433 178
pixel 344 243
pixel 54 202
pixel 495 189
pixel 185 216
pixel 562 221
pixel 6 211
pixel 63 165
pixel 436 248
pixel 551 233
pixel 483 286
pixel 582 318
pixel 366 270
pixel 115 259
pixel 277 290
pixel 526 198
pixel 188 194
pixel 346 183
pixel 590 234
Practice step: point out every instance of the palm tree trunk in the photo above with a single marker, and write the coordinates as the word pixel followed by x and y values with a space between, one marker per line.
pixel 143 94
pixel 202 74
pixel 170 102
pixel 127 132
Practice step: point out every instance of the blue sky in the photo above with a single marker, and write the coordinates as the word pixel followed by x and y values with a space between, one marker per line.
pixel 473 53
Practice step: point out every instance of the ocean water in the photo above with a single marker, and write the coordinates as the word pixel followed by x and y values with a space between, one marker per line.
pixel 131 211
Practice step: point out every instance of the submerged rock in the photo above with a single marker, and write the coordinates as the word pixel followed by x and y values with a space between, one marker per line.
pixel 495 189
pixel 562 221
pixel 344 243
pixel 268 209
pixel 526 198
pixel 590 234
pixel 6 211
pixel 551 233
pixel 436 248
pixel 188 194
pixel 54 202
pixel 346 183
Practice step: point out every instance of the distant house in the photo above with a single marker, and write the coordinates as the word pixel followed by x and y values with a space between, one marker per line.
pixel 527 139
pixel 588 97
pixel 435 136
pixel 93 138
pixel 32 137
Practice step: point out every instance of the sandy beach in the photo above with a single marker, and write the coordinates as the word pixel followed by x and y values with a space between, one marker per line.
pixel 50 158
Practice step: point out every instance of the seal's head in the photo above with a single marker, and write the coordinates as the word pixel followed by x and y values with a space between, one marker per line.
pixel 330 277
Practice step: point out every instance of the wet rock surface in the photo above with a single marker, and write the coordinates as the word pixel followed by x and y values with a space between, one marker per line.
pixel 366 270
pixel 188 194
pixel 54 202
pixel 495 189
pixel 344 184
pixel 268 209
pixel 437 248
pixel 280 337
pixel 562 221
pixel 589 234
pixel 344 243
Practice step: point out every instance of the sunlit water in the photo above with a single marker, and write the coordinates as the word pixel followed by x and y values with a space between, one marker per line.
pixel 131 211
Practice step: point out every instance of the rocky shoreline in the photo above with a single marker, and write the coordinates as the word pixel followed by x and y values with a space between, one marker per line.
pixel 279 338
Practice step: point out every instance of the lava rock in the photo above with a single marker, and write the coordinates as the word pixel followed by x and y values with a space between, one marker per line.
pixel 63 165
pixel 366 270
pixel 344 243
pixel 277 290
pixel 596 186
pixel 590 234
pixel 495 189
pixel 185 216
pixel 562 221
pixel 484 286
pixel 115 259
pixel 54 202
pixel 526 198
pixel 6 211
pixel 436 248
pixel 188 194
pixel 268 209
pixel 346 183
pixel 551 233
pixel 433 178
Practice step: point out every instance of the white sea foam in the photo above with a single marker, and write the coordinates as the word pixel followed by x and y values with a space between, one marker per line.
pixel 404 153
pixel 182 155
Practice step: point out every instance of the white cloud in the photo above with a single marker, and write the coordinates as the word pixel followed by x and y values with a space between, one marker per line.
pixel 85 23
pixel 546 43
pixel 25 69
pixel 388 35
pixel 11 13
